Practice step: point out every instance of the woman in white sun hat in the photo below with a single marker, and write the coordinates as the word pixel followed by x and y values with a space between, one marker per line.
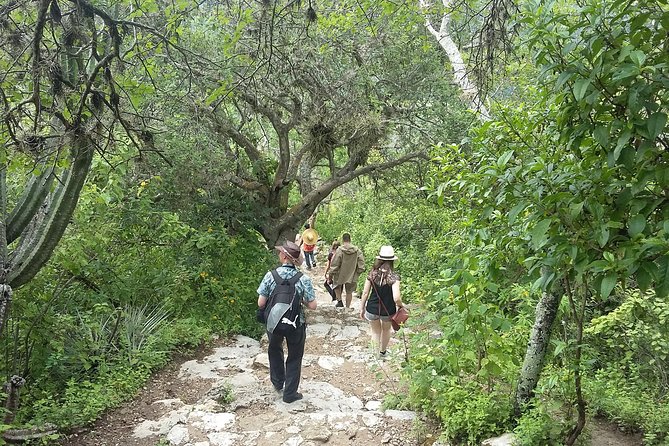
pixel 381 297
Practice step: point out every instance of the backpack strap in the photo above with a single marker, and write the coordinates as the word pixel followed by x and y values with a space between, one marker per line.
pixel 278 279
pixel 276 276
pixel 293 280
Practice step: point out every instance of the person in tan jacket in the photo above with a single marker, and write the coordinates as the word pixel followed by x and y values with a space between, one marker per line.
pixel 347 265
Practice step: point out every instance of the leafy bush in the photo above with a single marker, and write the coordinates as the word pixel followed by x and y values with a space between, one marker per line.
pixel 635 336
pixel 629 403
pixel 538 426
pixel 468 414
pixel 124 290
pixel 82 402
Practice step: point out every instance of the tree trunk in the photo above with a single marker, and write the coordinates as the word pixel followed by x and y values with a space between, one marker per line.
pixel 546 311
pixel 452 51
pixel 281 225
pixel 579 319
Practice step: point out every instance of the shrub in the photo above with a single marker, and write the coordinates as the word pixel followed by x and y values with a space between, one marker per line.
pixel 537 426
pixel 630 404
pixel 469 415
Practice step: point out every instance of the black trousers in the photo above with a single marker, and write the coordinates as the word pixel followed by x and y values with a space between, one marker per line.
pixel 286 374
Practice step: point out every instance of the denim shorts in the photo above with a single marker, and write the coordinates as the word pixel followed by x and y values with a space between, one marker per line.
pixel 375 317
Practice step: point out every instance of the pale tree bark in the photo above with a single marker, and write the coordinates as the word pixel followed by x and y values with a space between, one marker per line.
pixel 545 314
pixel 469 89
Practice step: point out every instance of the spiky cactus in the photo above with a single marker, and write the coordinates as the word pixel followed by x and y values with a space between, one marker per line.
pixel 64 87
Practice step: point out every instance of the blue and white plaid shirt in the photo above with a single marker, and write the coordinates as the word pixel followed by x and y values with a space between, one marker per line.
pixel 304 287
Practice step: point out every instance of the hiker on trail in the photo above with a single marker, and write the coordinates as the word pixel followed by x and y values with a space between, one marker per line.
pixel 328 281
pixel 381 297
pixel 346 266
pixel 286 376
pixel 331 253
pixel 309 239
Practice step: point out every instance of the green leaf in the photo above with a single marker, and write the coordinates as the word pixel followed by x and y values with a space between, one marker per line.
pixel 662 282
pixel 539 233
pixel 513 213
pixel 544 281
pixel 644 276
pixel 601 135
pixel 638 57
pixel 603 236
pixel 622 142
pixel 493 368
pixel 575 209
pixel 217 93
pixel 580 88
pixel 492 287
pixel 608 283
pixel 625 71
pixel 656 123
pixel 559 348
pixel 637 224
pixel 502 160
pixel 562 78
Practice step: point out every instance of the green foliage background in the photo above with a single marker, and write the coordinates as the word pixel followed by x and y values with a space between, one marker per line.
pixel 566 186
pixel 129 285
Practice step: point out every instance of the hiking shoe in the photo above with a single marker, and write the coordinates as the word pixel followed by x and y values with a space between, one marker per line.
pixel 278 389
pixel 292 398
pixel 340 304
pixel 383 355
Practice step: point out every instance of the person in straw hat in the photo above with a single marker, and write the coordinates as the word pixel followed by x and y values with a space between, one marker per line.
pixel 381 297
pixel 309 239
pixel 285 376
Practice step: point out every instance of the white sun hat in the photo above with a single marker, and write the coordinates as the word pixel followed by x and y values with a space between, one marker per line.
pixel 386 253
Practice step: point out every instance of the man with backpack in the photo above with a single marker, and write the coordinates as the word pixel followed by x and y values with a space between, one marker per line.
pixel 281 295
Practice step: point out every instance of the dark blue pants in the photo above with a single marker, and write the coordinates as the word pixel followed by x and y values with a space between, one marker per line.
pixel 286 375
pixel 309 258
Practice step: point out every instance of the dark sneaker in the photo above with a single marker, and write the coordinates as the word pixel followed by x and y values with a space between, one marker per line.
pixel 340 304
pixel 292 398
pixel 383 355
pixel 278 389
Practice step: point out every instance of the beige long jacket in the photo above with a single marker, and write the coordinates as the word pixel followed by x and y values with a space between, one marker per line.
pixel 347 264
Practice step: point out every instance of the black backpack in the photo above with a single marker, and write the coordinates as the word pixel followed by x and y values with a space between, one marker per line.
pixel 282 312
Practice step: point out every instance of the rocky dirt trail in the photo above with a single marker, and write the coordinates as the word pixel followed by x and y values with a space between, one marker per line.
pixel 224 396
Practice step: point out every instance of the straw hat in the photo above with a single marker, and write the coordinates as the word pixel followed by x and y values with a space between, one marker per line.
pixel 386 253
pixel 310 236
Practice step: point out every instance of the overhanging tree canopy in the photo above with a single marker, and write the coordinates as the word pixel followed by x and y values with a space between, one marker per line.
pixel 307 106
